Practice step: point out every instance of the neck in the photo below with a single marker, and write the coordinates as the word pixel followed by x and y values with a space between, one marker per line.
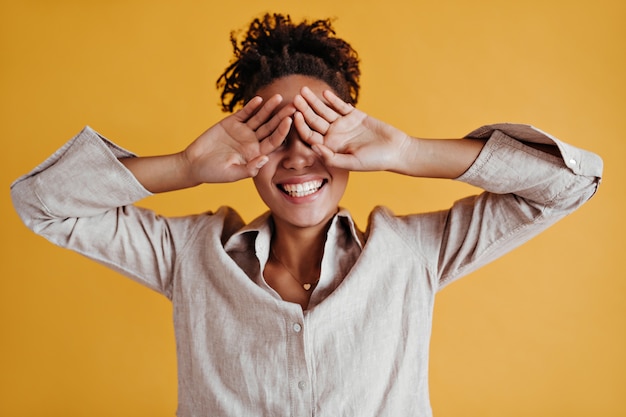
pixel 301 249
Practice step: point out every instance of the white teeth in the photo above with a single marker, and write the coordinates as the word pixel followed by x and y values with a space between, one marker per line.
pixel 302 189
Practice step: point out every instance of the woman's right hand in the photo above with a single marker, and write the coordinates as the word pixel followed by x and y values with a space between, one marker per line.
pixel 237 147
pixel 233 149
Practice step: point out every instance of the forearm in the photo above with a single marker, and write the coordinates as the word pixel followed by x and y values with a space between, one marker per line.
pixel 437 158
pixel 161 173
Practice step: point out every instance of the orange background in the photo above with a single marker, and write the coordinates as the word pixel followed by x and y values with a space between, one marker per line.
pixel 540 332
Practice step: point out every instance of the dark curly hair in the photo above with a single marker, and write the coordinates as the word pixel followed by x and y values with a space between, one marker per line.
pixel 274 47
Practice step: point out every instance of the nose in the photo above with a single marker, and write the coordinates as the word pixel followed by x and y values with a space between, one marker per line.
pixel 298 154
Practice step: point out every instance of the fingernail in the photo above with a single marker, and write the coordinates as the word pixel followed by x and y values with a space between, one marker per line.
pixel 262 162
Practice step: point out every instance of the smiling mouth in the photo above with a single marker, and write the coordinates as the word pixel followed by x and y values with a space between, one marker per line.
pixel 302 189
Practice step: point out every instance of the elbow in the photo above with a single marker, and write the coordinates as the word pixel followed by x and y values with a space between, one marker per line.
pixel 579 191
pixel 29 208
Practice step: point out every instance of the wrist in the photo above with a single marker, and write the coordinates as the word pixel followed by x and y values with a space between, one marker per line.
pixel 184 168
pixel 407 153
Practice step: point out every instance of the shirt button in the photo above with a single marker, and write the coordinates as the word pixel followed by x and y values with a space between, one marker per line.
pixel 572 161
pixel 302 385
pixel 297 327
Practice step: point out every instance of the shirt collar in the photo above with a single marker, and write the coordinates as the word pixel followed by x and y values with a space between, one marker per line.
pixel 343 217
pixel 260 230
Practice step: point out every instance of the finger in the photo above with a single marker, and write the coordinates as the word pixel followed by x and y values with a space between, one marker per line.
pixel 254 166
pixel 320 108
pixel 337 104
pixel 264 113
pixel 269 144
pixel 336 159
pixel 312 119
pixel 241 170
pixel 248 110
pixel 270 126
pixel 304 130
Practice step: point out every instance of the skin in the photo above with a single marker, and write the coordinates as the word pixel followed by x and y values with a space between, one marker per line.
pixel 295 162
pixel 295 131
pixel 300 222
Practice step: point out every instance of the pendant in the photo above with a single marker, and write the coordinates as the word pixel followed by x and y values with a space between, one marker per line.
pixel 306 286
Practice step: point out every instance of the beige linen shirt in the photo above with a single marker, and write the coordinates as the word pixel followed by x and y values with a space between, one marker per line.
pixel 361 348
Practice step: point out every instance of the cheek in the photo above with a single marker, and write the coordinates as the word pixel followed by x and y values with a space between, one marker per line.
pixel 263 180
pixel 260 183
pixel 342 175
pixel 340 179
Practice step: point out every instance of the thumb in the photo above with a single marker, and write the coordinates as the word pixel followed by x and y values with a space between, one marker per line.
pixel 335 159
pixel 254 166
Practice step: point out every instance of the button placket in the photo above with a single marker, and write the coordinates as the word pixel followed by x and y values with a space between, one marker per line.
pixel 299 384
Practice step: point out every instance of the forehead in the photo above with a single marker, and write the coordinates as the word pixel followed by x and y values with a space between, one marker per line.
pixel 291 85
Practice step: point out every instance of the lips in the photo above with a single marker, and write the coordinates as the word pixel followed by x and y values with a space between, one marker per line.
pixel 302 189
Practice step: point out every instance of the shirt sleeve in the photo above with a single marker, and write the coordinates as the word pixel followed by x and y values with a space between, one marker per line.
pixel 81 198
pixel 526 191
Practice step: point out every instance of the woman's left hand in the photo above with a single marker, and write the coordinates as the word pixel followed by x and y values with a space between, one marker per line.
pixel 346 137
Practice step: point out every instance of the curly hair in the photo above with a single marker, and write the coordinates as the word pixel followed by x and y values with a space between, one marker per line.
pixel 274 47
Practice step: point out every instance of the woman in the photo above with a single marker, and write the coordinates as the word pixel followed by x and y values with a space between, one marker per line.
pixel 299 312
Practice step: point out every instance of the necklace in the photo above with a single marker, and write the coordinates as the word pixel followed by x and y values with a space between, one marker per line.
pixel 306 286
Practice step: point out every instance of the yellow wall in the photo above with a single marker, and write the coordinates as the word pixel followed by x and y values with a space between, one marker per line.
pixel 541 332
